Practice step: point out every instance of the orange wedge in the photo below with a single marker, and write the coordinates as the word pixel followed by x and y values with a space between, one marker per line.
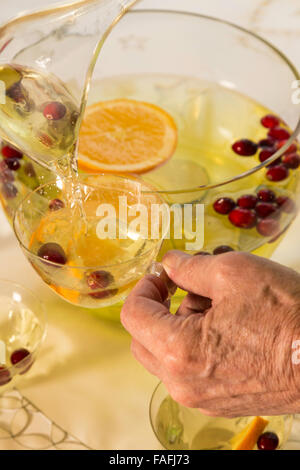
pixel 125 136
pixel 248 437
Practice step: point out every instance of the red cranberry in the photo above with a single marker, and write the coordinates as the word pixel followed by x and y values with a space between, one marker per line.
pixel 10 152
pixel 268 441
pixel 13 164
pixel 243 218
pixel 245 147
pixel 9 190
pixel 29 170
pixel 16 93
pixel 286 204
pixel 5 376
pixel 291 161
pixel 278 133
pixel 202 253
pixel 105 294
pixel 268 227
pixel 54 111
pixel 266 153
pixel 6 176
pixel 99 280
pixel 270 121
pixel 279 234
pixel 52 252
pixel 248 201
pixel 277 173
pixel 266 195
pixel 56 205
pixel 266 143
pixel 222 249
pixel 19 355
pixel 265 209
pixel 292 148
pixel 22 359
pixel 224 205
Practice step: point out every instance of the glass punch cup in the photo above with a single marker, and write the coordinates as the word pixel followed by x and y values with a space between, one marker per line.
pixel 22 331
pixel 75 255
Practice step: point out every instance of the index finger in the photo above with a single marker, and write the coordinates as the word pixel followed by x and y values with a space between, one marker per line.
pixel 146 317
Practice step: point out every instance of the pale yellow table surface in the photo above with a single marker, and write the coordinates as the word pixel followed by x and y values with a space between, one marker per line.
pixel 86 379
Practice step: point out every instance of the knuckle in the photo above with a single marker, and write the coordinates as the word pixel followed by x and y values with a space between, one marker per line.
pixel 184 397
pixel 174 364
pixel 228 265
pixel 177 357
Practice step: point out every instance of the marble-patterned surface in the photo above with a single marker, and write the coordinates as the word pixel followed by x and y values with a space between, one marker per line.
pixel 86 380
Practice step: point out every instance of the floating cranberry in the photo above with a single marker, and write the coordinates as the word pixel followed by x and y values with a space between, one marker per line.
pixel 265 209
pixel 52 252
pixel 266 195
pixel 5 376
pixel 279 234
pixel 292 148
pixel 268 441
pixel 10 152
pixel 54 111
pixel 29 170
pixel 268 227
pixel 266 143
pixel 278 133
pixel 243 218
pixel 270 121
pixel 202 253
pixel 224 205
pixel 105 294
pixel 9 190
pixel 99 280
pixel 277 173
pixel 22 359
pixel 56 205
pixel 266 153
pixel 18 355
pixel 248 201
pixel 245 147
pixel 6 176
pixel 13 164
pixel 291 161
pixel 15 92
pixel 286 204
pixel 222 249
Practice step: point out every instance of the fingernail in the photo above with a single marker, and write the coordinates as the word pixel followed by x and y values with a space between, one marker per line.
pixel 173 260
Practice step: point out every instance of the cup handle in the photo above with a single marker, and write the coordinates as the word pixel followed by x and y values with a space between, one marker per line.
pixel 157 269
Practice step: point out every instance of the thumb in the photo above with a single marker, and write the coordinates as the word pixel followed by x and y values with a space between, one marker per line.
pixel 193 274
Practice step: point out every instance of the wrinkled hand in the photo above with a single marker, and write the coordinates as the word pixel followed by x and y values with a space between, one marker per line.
pixel 228 350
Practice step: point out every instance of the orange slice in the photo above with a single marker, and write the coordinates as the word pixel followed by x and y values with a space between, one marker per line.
pixel 125 136
pixel 248 437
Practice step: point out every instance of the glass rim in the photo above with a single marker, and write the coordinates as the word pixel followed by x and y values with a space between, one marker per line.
pixel 160 383
pixel 44 325
pixel 271 46
pixel 133 178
